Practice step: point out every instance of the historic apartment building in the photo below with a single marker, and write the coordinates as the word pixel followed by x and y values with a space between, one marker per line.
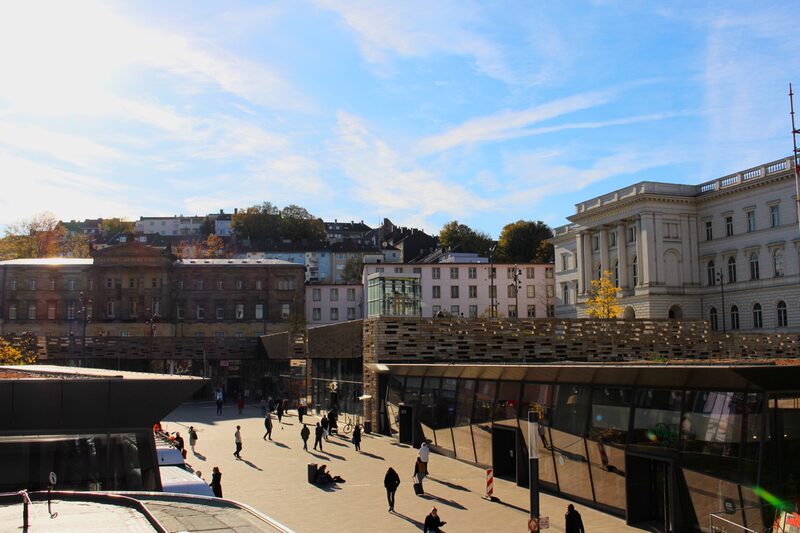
pixel 329 304
pixel 139 290
pixel 677 251
pixel 464 289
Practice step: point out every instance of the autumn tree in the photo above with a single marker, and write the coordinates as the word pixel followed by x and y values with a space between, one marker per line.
pixel 521 242
pixel 213 246
pixel 603 299
pixel 462 238
pixel 25 354
pixel 76 245
pixel 40 236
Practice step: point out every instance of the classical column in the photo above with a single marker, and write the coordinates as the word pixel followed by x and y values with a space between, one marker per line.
pixel 588 267
pixel 604 265
pixel 647 261
pixel 659 276
pixel 579 263
pixel 686 249
pixel 622 255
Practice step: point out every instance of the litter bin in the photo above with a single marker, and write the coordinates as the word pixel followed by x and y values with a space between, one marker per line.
pixel 367 426
pixel 312 472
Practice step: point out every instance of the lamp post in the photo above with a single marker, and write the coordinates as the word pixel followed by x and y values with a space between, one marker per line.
pixel 721 281
pixel 533 462
pixel 85 318
pixel 517 286
pixel 493 311
pixel 151 324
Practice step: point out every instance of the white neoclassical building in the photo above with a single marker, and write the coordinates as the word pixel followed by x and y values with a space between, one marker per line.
pixel 678 251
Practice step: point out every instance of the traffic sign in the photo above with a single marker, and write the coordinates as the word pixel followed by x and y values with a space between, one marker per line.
pixel 544 522
pixel 533 525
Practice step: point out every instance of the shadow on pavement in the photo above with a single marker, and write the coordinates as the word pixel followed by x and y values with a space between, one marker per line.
pixel 372 455
pixel 408 519
pixel 511 505
pixel 331 487
pixel 449 484
pixel 318 456
pixel 400 445
pixel 443 501
pixel 336 443
pixel 251 465
pixel 282 445
pixel 199 456
pixel 336 456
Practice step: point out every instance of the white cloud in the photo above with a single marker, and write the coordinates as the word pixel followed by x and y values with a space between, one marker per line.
pixel 68 148
pixel 509 124
pixel 423 29
pixel 387 185
pixel 66 194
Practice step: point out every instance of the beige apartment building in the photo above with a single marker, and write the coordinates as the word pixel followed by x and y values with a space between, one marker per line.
pixel 677 251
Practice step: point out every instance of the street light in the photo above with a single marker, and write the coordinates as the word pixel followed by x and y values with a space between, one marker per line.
pixel 85 318
pixel 721 281
pixel 517 286
pixel 493 311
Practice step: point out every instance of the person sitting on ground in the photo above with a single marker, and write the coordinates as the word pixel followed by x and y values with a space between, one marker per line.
pixel 433 522
pixel 324 477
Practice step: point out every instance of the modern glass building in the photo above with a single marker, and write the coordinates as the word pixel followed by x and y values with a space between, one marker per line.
pixel 663 446
pixel 393 294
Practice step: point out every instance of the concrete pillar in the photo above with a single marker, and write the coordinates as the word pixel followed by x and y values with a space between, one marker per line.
pixel 622 255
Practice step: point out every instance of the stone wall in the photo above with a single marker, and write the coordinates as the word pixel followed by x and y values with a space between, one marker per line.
pixel 336 341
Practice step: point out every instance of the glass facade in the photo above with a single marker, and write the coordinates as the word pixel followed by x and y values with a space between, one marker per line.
pixel 389 295
pixel 347 374
pixel 716 446
pixel 105 461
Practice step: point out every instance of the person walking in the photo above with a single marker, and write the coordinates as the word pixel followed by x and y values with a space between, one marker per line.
pixel 192 438
pixel 219 402
pixel 237 439
pixel 433 522
pixel 279 412
pixel 268 426
pixel 357 437
pixel 419 475
pixel 216 482
pixel 304 434
pixel 318 431
pixel 301 412
pixel 574 523
pixel 424 453
pixel 324 424
pixel 391 481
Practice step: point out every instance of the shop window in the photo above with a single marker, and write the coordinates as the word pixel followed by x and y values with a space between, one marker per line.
pixel 656 420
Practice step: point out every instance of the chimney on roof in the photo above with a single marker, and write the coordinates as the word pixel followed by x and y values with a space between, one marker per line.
pixel 235 210
pixel 335 221
pixel 221 212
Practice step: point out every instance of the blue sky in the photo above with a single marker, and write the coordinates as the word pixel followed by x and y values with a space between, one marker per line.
pixel 422 112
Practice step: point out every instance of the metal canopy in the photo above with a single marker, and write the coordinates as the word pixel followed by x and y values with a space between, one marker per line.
pixel 707 377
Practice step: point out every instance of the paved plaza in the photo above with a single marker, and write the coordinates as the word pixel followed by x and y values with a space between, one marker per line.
pixel 271 477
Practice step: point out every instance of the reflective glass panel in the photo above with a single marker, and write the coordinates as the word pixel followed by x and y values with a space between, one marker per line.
pixel 711 432
pixel 446 414
pixel 608 432
pixel 394 397
pixel 536 397
pixel 567 431
pixel 427 405
pixel 482 421
pixel 710 494
pixel 657 417
pixel 507 403
pixel 462 434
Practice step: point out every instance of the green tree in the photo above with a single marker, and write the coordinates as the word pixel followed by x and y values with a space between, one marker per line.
pixel 462 238
pixel 257 223
pixel 299 224
pixel 603 299
pixel 353 270
pixel 521 242
pixel 112 226
pixel 76 245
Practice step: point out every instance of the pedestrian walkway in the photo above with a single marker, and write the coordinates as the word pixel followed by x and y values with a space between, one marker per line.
pixel 271 477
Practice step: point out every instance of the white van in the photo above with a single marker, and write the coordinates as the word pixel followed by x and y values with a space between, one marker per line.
pixel 177 480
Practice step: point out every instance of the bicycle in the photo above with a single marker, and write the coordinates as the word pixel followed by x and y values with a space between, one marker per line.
pixel 350 423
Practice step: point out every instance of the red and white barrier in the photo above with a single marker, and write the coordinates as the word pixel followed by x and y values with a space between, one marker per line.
pixel 489 484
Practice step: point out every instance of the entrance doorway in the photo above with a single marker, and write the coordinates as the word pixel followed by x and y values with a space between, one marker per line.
pixel 504 453
pixel 650 493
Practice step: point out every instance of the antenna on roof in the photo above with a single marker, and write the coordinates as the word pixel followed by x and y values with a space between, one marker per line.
pixel 795 154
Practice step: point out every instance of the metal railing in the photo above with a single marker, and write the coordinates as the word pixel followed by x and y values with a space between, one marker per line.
pixel 719 524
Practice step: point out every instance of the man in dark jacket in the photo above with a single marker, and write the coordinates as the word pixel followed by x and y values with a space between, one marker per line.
pixel 268 427
pixel 433 522
pixel 324 426
pixel 574 524
pixel 304 434
pixel 391 481
pixel 318 437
